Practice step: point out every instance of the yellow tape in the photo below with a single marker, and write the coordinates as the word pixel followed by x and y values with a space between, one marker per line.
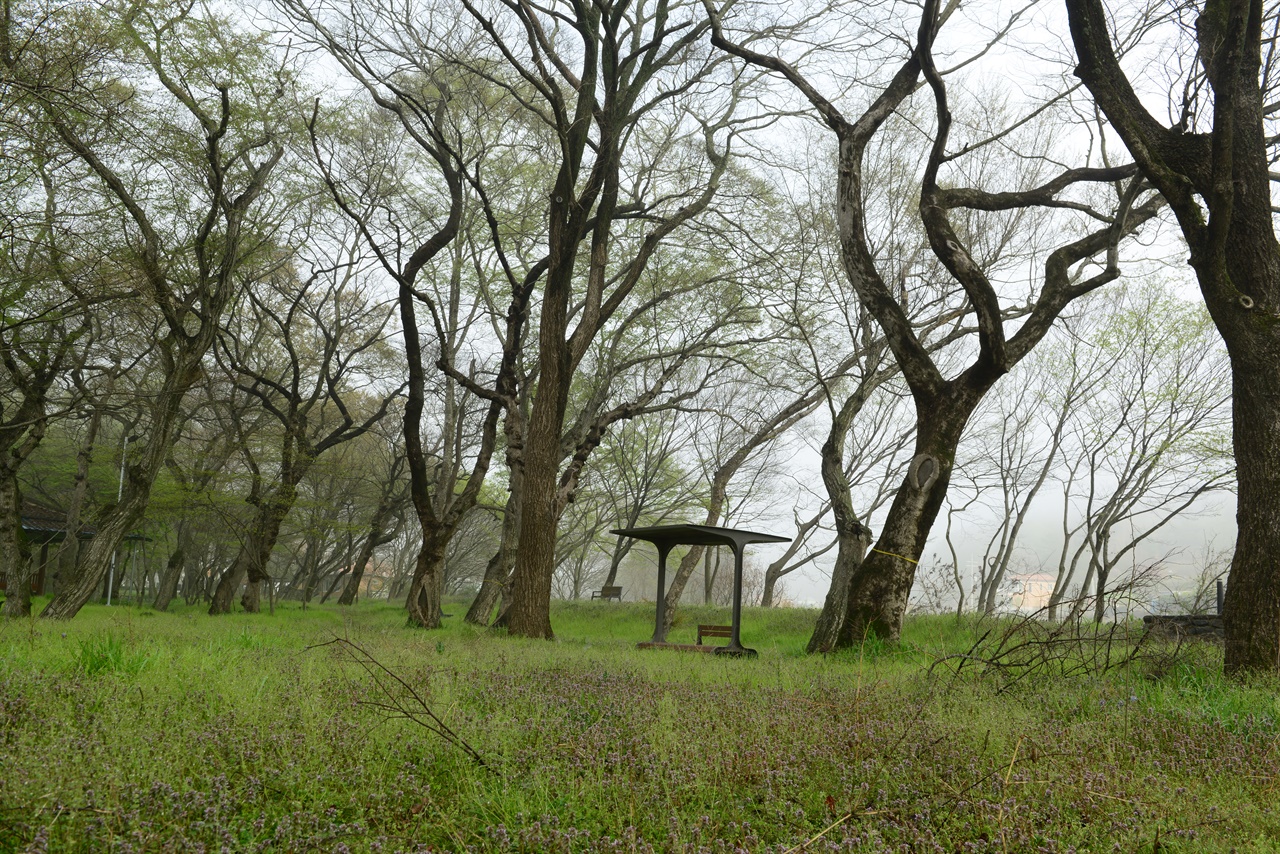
pixel 891 554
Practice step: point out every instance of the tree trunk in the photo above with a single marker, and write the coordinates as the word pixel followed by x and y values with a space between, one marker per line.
pixel 1251 609
pixel 530 611
pixel 881 584
pixel 852 537
pixel 68 557
pixel 851 550
pixel 97 555
pixel 497 577
pixel 1236 257
pixel 333 585
pixel 229 583
pixel 15 551
pixel 1100 601
pixel 709 574
pixel 167 590
pixel 373 538
pixel 497 574
pixel 770 581
pixel 173 571
pixel 426 591
pixel 255 552
pixel 715 505
pixel 140 474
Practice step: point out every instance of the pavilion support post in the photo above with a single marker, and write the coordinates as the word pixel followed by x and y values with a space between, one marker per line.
pixel 659 630
pixel 735 647
pixel 736 641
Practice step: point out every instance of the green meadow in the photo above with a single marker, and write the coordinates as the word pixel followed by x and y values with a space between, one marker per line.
pixel 127 730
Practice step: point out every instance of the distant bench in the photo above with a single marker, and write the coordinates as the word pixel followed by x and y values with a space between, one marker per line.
pixel 607 592
pixel 714 632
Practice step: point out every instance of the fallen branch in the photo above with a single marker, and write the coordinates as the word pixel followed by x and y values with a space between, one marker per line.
pixel 404 703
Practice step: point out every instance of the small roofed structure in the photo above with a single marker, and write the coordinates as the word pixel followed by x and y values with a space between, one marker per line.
pixel 42 526
pixel 667 537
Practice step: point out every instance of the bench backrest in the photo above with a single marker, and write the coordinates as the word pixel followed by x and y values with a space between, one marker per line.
pixel 715 631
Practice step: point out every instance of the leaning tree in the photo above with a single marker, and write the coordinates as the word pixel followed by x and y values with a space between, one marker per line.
pixel 967 227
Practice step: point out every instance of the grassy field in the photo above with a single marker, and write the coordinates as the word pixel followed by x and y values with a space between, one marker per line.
pixel 341 730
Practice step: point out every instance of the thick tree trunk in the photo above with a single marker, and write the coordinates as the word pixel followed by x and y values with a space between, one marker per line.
pixel 1236 257
pixel 852 537
pixel 852 548
pixel 251 598
pixel 97 558
pixel 530 611
pixel 15 552
pixel 1251 610
pixel 881 584
pixel 255 552
pixel 497 574
pixel 426 591
pixel 229 583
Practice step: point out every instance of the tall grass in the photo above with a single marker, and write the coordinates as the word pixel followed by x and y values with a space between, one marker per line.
pixel 128 730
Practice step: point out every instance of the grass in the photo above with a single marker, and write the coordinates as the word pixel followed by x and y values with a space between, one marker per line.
pixel 128 730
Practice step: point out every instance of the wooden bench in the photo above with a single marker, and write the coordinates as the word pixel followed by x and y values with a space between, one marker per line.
pixel 714 632
pixel 606 593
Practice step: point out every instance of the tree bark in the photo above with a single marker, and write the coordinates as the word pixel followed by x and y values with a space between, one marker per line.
pixel 15 551
pixel 173 570
pixel 497 573
pixel 530 611
pixel 426 590
pixel 255 552
pixel 881 583
pixel 853 538
pixel 375 536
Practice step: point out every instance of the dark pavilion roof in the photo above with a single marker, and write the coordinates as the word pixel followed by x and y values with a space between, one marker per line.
pixel 698 535
pixel 47 522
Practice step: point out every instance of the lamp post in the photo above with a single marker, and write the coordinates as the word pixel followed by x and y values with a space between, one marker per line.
pixel 111 576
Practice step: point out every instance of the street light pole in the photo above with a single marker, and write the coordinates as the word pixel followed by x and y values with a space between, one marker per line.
pixel 111 576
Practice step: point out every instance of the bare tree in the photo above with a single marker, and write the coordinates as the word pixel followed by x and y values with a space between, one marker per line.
pixel 312 353
pixel 1147 441
pixel 952 218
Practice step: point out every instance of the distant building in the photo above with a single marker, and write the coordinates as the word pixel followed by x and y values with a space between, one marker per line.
pixel 1031 592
